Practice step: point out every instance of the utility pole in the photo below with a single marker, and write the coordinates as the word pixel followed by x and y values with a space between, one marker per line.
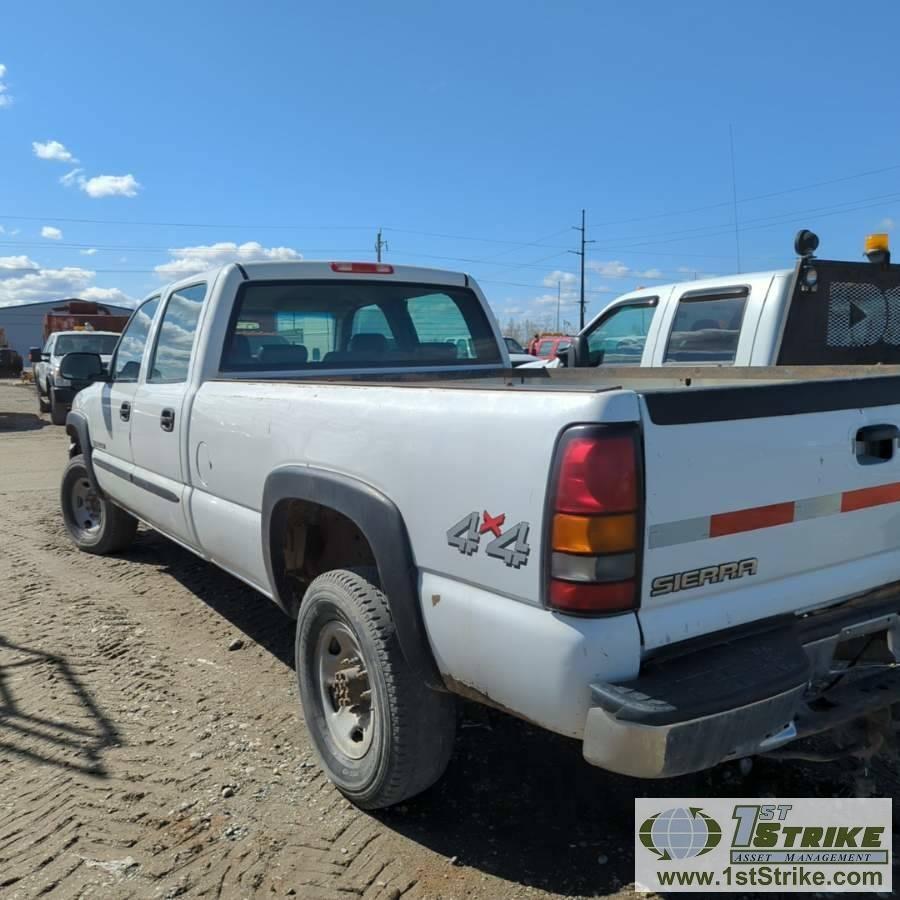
pixel 580 253
pixel 379 246
pixel 558 294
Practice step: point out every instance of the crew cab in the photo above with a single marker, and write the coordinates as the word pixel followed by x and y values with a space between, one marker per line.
pixel 54 391
pixel 821 312
pixel 674 570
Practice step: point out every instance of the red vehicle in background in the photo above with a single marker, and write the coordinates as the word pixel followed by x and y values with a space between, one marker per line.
pixel 82 315
pixel 548 345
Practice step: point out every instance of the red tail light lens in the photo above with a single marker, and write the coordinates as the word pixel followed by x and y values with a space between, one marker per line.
pixel 597 476
pixel 363 268
pixel 575 597
pixel 595 531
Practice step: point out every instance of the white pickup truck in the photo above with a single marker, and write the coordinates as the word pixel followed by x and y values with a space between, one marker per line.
pixel 674 569
pixel 820 312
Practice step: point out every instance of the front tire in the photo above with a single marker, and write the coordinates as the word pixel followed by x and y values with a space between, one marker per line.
pixel 95 523
pixel 43 405
pixel 57 412
pixel 380 733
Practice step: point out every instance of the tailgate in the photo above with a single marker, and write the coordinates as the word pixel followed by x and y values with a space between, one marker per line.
pixel 767 500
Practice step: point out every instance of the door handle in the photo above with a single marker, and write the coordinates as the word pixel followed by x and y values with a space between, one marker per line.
pixel 875 443
pixel 125 411
pixel 167 419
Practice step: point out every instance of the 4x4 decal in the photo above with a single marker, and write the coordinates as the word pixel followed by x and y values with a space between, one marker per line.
pixel 511 545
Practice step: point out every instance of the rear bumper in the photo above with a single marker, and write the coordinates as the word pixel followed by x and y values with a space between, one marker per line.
pixel 746 694
pixel 663 751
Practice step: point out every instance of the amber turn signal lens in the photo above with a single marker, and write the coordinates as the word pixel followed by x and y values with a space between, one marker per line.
pixel 877 243
pixel 594 534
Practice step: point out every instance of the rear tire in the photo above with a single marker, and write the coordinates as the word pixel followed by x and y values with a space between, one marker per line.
pixel 43 405
pixel 57 413
pixel 380 733
pixel 95 524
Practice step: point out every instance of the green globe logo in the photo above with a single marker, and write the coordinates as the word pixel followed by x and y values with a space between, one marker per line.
pixel 680 833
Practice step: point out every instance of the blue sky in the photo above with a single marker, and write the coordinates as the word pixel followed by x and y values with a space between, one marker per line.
pixel 474 133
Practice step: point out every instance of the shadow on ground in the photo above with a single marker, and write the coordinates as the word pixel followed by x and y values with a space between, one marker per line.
pixel 31 681
pixel 10 421
pixel 516 802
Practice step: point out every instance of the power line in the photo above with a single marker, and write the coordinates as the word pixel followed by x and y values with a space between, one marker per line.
pixel 754 224
pixel 752 199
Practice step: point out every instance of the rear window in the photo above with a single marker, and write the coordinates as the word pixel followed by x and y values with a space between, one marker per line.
pixel 86 342
pixel 309 325
pixel 706 328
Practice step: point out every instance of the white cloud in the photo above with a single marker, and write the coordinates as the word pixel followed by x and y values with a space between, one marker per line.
pixel 11 266
pixel 5 96
pixel 89 252
pixel 102 185
pixel 107 295
pixel 617 269
pixel 190 260
pixel 51 233
pixel 52 150
pixel 565 279
pixel 110 186
pixel 887 223
pixel 76 176
pixel 22 280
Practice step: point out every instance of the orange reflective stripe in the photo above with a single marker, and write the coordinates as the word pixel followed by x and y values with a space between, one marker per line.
pixel 751 519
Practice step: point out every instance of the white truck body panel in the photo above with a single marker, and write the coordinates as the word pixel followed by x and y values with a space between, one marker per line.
pixel 723 488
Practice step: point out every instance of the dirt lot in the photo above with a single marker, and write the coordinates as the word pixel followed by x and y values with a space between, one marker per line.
pixel 140 757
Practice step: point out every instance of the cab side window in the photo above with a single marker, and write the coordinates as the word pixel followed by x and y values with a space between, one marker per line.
pixel 706 328
pixel 175 338
pixel 127 363
pixel 619 339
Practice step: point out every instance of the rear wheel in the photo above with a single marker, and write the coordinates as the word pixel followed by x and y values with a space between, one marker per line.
pixel 380 733
pixel 94 523
pixel 57 411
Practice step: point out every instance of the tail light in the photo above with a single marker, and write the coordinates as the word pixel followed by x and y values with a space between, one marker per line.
pixel 595 532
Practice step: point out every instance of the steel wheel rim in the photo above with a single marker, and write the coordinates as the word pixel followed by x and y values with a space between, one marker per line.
pixel 345 692
pixel 86 508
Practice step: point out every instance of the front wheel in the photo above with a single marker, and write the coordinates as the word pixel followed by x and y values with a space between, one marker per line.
pixel 381 734
pixel 57 410
pixel 94 523
pixel 43 405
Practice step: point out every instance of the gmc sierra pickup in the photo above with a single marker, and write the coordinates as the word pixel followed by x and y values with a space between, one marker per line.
pixel 675 569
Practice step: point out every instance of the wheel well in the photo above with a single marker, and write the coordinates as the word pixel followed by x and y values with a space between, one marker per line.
pixel 314 539
pixel 74 443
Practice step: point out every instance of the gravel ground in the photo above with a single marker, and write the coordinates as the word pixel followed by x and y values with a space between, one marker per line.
pixel 140 757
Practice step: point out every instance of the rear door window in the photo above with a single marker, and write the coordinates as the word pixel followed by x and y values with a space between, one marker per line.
pixel 706 328
pixel 176 335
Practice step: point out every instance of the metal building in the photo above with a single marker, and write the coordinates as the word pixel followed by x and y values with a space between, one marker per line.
pixel 24 322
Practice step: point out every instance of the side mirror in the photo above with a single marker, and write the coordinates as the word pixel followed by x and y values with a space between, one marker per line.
pixel 82 367
pixel 579 355
pixel 34 354
pixel 563 352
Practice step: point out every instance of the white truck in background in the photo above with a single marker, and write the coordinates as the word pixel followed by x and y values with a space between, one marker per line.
pixel 673 571
pixel 821 312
